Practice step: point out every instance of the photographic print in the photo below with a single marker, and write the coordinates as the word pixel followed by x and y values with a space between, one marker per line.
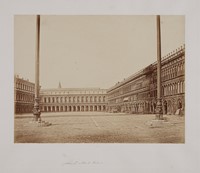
pixel 99 79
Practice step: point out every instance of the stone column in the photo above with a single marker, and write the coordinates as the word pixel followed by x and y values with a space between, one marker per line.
pixel 36 110
pixel 159 114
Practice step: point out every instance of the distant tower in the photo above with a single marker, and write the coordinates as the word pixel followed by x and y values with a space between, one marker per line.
pixel 59 86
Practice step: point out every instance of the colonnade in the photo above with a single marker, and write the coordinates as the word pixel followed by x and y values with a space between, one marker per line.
pixel 174 88
pixel 73 108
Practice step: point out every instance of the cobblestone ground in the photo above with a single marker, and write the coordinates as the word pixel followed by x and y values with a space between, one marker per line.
pixel 96 127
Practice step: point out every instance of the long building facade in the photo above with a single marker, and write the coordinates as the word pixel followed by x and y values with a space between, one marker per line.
pixel 73 99
pixel 135 94
pixel 23 95
pixel 138 93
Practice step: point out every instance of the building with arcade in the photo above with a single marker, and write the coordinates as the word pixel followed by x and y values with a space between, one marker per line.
pixel 73 99
pixel 137 93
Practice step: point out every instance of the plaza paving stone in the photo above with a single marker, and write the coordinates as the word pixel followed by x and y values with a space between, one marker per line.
pixel 98 127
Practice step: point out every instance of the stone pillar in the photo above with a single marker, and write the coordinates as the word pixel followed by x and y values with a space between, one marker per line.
pixel 159 114
pixel 36 110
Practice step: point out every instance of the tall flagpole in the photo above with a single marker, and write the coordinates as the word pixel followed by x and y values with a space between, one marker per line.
pixel 159 113
pixel 36 109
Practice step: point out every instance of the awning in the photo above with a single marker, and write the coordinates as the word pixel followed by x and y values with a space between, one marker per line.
pixel 126 99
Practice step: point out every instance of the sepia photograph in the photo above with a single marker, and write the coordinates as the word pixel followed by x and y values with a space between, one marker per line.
pixel 99 86
pixel 99 79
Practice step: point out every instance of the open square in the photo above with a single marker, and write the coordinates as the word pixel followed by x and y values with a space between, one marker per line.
pixel 98 127
pixel 109 90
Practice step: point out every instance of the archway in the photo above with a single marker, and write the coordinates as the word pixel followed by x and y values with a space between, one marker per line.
pixel 78 108
pixel 82 108
pixel 70 108
pixel 86 108
pixel 91 108
pixel 49 108
pixel 179 110
pixel 95 108
pixel 57 108
pixel 165 107
pixel 179 104
pixel 74 108
pixel 169 107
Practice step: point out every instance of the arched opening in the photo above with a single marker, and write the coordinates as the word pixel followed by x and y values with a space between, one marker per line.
pixel 45 109
pixel 95 108
pixel 86 109
pixel 179 104
pixel 57 108
pixel 165 107
pixel 180 107
pixel 53 109
pixel 82 108
pixel 169 107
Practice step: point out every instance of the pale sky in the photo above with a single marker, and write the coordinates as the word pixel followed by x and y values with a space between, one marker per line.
pixel 91 51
